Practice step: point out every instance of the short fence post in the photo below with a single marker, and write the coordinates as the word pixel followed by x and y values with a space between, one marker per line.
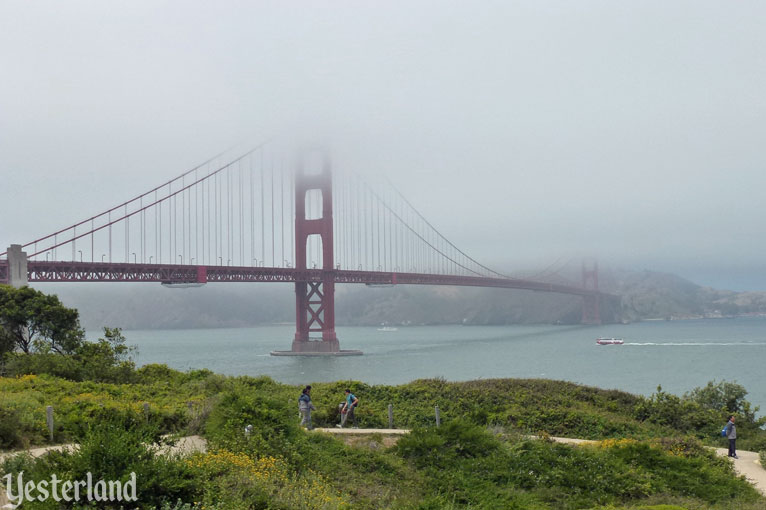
pixel 438 418
pixel 49 420
pixel 390 416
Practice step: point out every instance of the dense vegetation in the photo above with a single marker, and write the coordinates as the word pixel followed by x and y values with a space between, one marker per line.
pixel 649 451
pixel 481 456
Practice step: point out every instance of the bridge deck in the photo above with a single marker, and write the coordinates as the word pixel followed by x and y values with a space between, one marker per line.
pixel 43 271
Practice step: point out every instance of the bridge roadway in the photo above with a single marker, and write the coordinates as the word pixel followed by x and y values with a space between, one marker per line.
pixel 43 271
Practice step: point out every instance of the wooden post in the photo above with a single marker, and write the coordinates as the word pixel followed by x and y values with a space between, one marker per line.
pixel 49 420
pixel 390 416
pixel 438 418
pixel 146 411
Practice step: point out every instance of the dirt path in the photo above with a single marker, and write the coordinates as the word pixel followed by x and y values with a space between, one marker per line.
pixel 385 432
pixel 748 465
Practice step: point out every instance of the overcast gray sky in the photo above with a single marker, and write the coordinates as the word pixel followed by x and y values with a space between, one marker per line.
pixel 525 131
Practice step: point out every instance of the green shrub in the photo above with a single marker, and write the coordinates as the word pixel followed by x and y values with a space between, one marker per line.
pixel 441 445
pixel 106 360
pixel 275 429
pixel 22 421
pixel 11 428
pixel 77 404
pixel 112 450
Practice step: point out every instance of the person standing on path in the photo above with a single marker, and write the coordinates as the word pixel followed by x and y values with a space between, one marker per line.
pixel 305 407
pixel 347 409
pixel 731 435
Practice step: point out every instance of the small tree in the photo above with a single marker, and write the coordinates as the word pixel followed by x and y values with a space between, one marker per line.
pixel 108 359
pixel 726 398
pixel 31 320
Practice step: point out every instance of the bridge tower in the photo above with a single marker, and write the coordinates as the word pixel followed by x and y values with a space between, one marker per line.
pixel 590 302
pixel 314 293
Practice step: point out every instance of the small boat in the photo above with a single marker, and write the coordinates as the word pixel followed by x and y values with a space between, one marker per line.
pixel 609 341
pixel 383 327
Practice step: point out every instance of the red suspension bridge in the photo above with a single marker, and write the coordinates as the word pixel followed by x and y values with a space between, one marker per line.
pixel 258 217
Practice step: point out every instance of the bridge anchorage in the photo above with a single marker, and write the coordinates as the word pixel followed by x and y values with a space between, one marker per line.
pixel 242 219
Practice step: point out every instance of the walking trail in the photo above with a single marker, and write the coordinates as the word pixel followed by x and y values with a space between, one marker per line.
pixel 747 465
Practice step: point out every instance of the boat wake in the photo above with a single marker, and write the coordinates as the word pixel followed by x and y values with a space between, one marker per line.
pixel 693 344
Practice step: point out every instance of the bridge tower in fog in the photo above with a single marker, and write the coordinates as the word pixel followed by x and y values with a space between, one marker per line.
pixel 590 302
pixel 314 297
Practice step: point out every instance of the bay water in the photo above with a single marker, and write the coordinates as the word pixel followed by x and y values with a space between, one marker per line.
pixel 679 355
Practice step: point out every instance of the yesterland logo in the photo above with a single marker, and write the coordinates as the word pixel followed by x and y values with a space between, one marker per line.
pixel 69 491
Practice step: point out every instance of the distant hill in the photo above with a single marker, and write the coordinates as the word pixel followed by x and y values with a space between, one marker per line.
pixel 653 295
pixel 642 295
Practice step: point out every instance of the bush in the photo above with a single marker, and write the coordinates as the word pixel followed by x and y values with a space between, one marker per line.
pixel 275 428
pixel 78 404
pixel 10 428
pixel 238 480
pixel 22 422
pixel 439 446
pixel 106 360
pixel 112 450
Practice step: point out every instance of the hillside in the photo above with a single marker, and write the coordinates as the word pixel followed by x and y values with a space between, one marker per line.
pixel 482 455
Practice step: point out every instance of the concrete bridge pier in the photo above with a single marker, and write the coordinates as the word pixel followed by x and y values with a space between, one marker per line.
pixel 17 267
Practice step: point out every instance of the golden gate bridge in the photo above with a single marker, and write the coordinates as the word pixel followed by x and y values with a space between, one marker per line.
pixel 260 216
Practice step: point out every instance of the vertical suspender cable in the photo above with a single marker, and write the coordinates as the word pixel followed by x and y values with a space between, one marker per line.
pixel 365 235
pixel 215 219
pixel 196 217
pixel 273 249
pixel 183 221
pixel 232 198
pixel 157 214
pixel 383 220
pixel 291 176
pixel 252 211
pixel 189 224
pixel 127 234
pixel 263 215
pixel 347 223
pixel 241 218
pixel 141 228
pixel 282 208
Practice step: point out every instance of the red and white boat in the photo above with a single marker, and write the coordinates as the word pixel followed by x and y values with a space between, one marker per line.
pixel 609 341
